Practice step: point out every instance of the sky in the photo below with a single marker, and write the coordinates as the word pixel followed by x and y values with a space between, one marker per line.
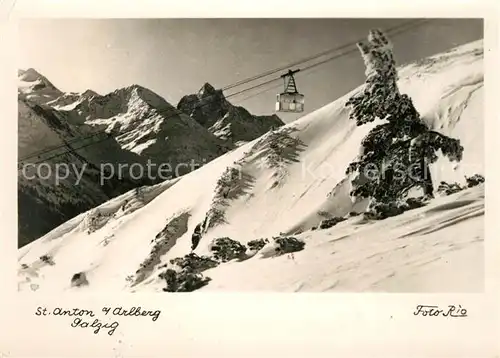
pixel 175 57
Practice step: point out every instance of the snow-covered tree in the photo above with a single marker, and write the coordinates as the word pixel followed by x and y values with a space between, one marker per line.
pixel 396 154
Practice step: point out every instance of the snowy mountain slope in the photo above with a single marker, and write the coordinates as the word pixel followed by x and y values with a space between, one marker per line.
pixel 142 128
pixel 454 105
pixel 232 123
pixel 286 179
pixel 440 87
pixel 35 87
pixel 44 202
pixel 147 126
pixel 421 250
pixel 69 100
pixel 144 123
pixel 42 125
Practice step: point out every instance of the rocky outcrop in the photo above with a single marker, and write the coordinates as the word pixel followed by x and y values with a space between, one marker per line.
pixel 231 123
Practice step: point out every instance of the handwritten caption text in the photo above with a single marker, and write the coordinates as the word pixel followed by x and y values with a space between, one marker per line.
pixel 435 311
pixel 82 318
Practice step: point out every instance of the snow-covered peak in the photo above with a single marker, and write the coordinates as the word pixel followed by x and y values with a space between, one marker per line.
pixel 231 123
pixel 35 87
pixel 32 79
pixel 136 98
pixel 90 93
pixel 29 75
pixel 207 90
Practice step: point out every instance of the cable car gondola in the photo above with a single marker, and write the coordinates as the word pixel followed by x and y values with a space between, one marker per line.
pixel 290 100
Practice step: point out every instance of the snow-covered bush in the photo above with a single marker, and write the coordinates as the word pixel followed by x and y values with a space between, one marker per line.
pixel 226 249
pixel 186 275
pixel 281 150
pixel 415 203
pixel 183 281
pixel 227 179
pixel 47 259
pixel 194 263
pixel 381 211
pixel 216 214
pixel 256 245
pixel 79 279
pixel 474 180
pixel 328 223
pixel 95 220
pixel 448 189
pixel 288 244
pixel 396 154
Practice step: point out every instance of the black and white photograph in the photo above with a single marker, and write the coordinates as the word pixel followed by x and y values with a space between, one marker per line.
pixel 315 155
